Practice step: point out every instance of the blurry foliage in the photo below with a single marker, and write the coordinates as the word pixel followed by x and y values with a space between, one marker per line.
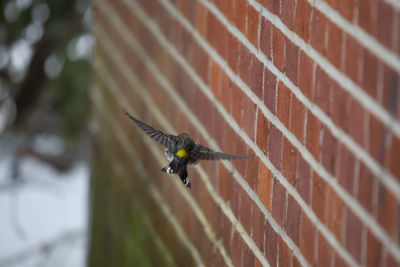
pixel 49 92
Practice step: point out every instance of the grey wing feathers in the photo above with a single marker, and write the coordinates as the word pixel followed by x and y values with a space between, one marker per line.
pixel 201 152
pixel 157 135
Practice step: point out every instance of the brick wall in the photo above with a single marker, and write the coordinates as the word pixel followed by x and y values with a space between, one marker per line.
pixel 309 87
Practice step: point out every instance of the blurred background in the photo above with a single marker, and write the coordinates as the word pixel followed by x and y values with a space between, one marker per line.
pixel 45 52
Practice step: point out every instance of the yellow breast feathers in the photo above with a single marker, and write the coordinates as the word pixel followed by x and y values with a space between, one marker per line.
pixel 182 153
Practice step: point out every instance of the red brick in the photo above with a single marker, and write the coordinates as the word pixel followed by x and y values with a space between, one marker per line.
pixel 258 263
pixel 283 109
pixel 274 6
pixel 307 238
pixel 384 25
pixel 245 216
pixel 398 47
pixel 391 261
pixel 224 182
pixel 233 53
pixel 253 21
pixel 346 9
pixel 325 252
pixel 248 118
pixel 340 106
pixel 200 61
pixel 256 76
pixel 241 149
pixel 302 19
pixel 297 113
pixel 335 214
pixel 245 63
pixel 318 29
pixel 278 48
pixel 235 202
pixel 322 89
pixel 390 91
pixel 225 96
pixel 329 151
pixel 347 164
pixel 279 203
pixel 241 15
pixel 269 90
pixel 374 250
pixel 289 161
pixel 258 228
pixel 275 146
pixel 376 138
pixel 287 13
pixel 293 220
pixel 353 235
pixel 216 259
pixel 188 8
pixel 262 131
pixel 237 249
pixel 227 8
pixel 393 157
pixel 266 37
pixel 284 254
pixel 201 19
pixel 366 187
pixel 248 256
pixel 264 188
pixel 215 83
pixel 225 230
pixel 367 15
pixel 237 102
pixel 339 261
pixel 354 54
pixel 387 208
pixel 220 37
pixel 370 74
pixel 270 245
pixel 291 61
pixel 296 262
pixel 334 51
pixel 306 75
pixel 303 179
pixel 252 172
pixel 313 132
pixel 357 122
pixel 319 197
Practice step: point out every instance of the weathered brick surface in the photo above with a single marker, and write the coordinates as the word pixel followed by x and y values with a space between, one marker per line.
pixel 313 103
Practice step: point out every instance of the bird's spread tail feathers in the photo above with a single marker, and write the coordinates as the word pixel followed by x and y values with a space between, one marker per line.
pixel 178 168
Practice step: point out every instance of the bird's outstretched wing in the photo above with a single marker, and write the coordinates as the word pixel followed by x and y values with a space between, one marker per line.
pixel 162 138
pixel 201 152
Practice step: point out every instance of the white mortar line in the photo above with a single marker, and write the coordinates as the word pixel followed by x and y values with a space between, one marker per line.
pixel 351 202
pixel 247 188
pixel 386 177
pixel 357 209
pixel 111 84
pixel 155 194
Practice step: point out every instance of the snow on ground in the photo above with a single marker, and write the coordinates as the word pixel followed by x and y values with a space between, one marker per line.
pixel 43 220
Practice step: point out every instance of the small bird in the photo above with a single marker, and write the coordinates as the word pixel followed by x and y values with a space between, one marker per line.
pixel 181 150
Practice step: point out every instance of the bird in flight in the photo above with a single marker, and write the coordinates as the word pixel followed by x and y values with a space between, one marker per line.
pixel 181 150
